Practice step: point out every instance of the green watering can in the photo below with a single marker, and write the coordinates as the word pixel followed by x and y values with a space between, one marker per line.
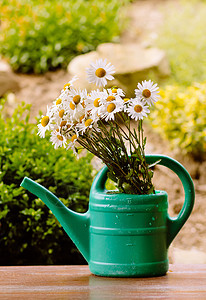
pixel 123 235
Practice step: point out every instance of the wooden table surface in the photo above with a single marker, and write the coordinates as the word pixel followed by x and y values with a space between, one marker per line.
pixel 76 282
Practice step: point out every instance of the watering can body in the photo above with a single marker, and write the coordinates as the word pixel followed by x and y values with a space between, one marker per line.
pixel 123 235
pixel 128 236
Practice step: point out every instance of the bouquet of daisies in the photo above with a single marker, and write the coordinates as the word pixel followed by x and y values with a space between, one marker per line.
pixel 107 124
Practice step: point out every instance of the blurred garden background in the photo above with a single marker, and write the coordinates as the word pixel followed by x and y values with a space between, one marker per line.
pixel 42 44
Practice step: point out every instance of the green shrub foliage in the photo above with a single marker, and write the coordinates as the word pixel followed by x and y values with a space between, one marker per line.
pixel 29 233
pixel 37 36
pixel 180 117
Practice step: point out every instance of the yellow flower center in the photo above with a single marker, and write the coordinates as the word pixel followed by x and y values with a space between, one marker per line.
pixel 63 123
pixel 110 98
pixel 146 93
pixel 96 102
pixel 74 137
pixel 60 137
pixel 111 107
pixel 59 101
pixel 88 122
pixel 61 113
pixel 65 86
pixel 81 118
pixel 83 104
pixel 100 72
pixel 72 106
pixel 138 108
pixel 76 99
pixel 114 90
pixel 45 121
pixel 126 99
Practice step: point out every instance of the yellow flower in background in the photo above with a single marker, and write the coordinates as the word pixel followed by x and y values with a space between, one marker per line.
pixel 180 117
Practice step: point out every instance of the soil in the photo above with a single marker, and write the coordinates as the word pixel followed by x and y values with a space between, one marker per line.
pixel 40 90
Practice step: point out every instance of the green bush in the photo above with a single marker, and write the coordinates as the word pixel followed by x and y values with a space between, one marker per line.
pixel 180 117
pixel 37 36
pixel 182 36
pixel 29 233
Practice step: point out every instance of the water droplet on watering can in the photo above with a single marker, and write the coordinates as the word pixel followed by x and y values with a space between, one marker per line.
pixel 117 216
pixel 150 224
pixel 153 218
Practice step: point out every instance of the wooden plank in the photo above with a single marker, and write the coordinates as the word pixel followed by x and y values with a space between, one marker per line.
pixel 76 282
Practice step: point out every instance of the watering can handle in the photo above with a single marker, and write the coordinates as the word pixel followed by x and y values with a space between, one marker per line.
pixel 173 224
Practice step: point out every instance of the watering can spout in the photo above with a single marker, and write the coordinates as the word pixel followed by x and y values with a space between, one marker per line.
pixel 75 224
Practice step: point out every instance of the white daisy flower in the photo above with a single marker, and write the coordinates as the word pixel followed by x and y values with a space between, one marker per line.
pixel 62 97
pixel 137 109
pixel 57 139
pixel 77 112
pixel 77 96
pixel 109 96
pixel 117 91
pixel 61 115
pixel 126 103
pixel 69 84
pixel 60 108
pixel 86 124
pixel 76 106
pixel 100 72
pixel 93 102
pixel 58 101
pixel 45 123
pixel 65 127
pixel 109 109
pixel 81 118
pixel 147 91
pixel 73 143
